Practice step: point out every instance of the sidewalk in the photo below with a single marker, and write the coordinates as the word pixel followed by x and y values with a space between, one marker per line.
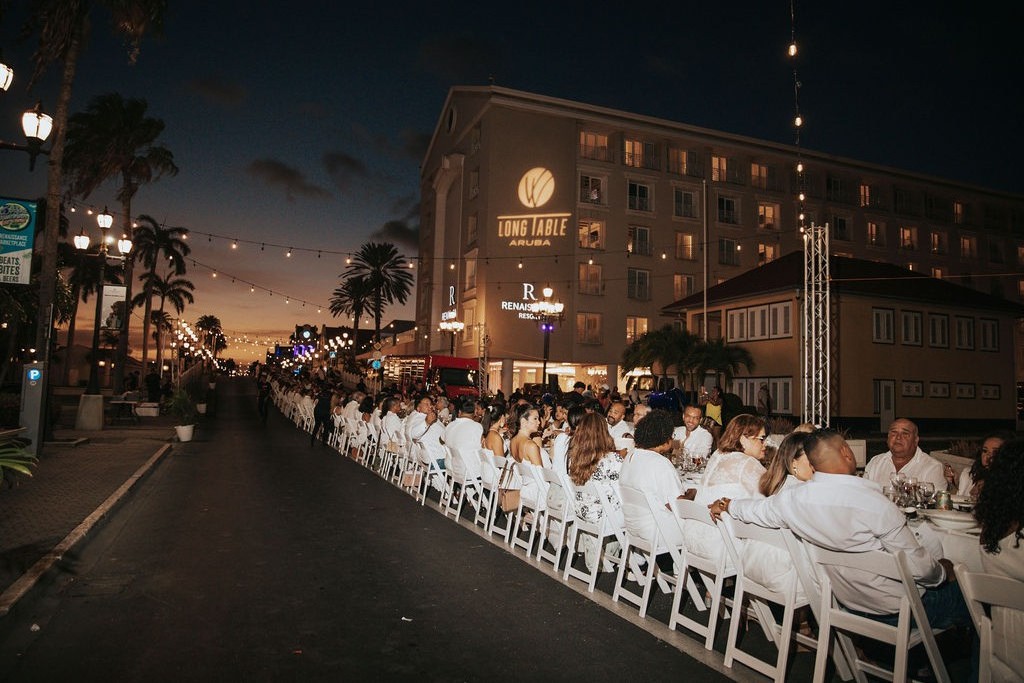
pixel 76 477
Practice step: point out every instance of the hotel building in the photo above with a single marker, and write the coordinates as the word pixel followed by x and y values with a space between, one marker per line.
pixel 622 214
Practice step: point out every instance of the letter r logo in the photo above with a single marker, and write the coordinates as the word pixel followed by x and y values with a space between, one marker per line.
pixel 528 294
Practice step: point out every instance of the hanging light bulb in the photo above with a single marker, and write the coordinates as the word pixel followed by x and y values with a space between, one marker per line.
pixel 451 266
pixel 792 49
pixel 800 167
pixel 234 245
pixel 289 254
pixel 802 196
pixel 520 264
pixel 251 289
pixel 799 121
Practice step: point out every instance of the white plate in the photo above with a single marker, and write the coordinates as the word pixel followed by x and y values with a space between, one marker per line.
pixel 951 519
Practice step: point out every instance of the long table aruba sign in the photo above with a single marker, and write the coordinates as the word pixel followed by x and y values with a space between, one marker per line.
pixel 17 233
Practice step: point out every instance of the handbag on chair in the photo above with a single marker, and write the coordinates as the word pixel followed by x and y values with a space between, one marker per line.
pixel 508 497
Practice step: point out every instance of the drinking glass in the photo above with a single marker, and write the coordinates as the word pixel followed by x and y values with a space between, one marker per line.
pixel 925 494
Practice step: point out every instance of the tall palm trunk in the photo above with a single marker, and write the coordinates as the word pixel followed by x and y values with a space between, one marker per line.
pixel 121 356
pixel 159 343
pixel 146 320
pixel 76 292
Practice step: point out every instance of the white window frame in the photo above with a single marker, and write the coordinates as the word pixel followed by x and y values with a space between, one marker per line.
pixel 642 199
pixel 585 239
pixel 988 334
pixel 780 320
pixel 682 286
pixel 736 325
pixel 964 327
pixel 589 329
pixel 938 330
pixel 757 322
pixel 637 246
pixel 634 323
pixel 638 284
pixel 882 326
pixel 910 327
pixel 590 278
pixel 589 184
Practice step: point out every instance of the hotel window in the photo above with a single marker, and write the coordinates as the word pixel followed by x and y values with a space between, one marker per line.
pixel 727 212
pixel 940 244
pixel 728 252
pixel 638 284
pixel 677 161
pixel 780 320
pixel 908 238
pixel 594 146
pixel 766 253
pixel 684 203
pixel 635 328
pixel 588 328
pixel 988 335
pixel 469 318
pixel 882 326
pixel 876 234
pixel 995 251
pixel 639 154
pixel 834 188
pixel 472 222
pixel 938 331
pixel 968 246
pixel 639 240
pixel 591 234
pixel 686 246
pixel 958 213
pixel 841 229
pixel 590 278
pixel 865 194
pixel 768 216
pixel 964 333
pixel 719 169
pixel 474 182
pixel 736 325
pixel 682 286
pixel 591 190
pixel 638 196
pixel 471 272
pixel 911 323
pixel 938 272
pixel 759 176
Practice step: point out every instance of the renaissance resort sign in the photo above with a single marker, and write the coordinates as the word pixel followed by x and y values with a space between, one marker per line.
pixel 536 188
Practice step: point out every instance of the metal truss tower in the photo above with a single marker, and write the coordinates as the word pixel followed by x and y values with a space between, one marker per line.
pixel 482 347
pixel 817 327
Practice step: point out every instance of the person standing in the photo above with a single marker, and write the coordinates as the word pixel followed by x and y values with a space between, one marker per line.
pixel 322 422
pixel 263 399
pixel 764 401
pixel 153 385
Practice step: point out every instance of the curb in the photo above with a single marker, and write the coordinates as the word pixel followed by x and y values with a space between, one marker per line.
pixel 30 578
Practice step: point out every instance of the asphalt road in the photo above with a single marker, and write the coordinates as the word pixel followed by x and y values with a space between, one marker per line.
pixel 247 555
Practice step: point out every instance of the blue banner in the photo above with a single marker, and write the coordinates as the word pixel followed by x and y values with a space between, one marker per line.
pixel 17 233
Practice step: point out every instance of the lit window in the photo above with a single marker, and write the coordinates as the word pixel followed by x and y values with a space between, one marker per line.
pixel 635 328
pixel 968 247
pixel 767 216
pixel 940 244
pixel 686 246
pixel 766 253
pixel 719 169
pixel 591 190
pixel 590 278
pixel 876 234
pixel 677 161
pixel 759 176
pixel 682 286
pixel 639 242
pixel 639 154
pixel 908 238
pixel 588 328
pixel 958 213
pixel 865 194
pixel 591 234
pixel 593 146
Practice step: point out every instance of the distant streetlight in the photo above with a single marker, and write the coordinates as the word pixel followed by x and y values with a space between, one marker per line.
pixel 124 246
pixel 549 312
pixel 454 327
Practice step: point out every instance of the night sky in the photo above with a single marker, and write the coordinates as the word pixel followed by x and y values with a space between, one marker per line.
pixel 304 125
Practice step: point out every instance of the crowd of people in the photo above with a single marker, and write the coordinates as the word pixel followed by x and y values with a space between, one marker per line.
pixel 809 483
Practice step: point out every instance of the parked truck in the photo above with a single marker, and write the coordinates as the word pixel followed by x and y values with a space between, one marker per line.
pixel 457 376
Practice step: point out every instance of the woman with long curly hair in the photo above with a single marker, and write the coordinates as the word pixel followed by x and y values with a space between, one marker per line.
pixel 1000 511
pixel 968 481
pixel 789 467
pixel 592 457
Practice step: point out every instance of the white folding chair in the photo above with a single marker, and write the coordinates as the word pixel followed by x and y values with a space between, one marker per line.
pixel 648 548
pixel 734 533
pixel 558 514
pixel 833 617
pixel 489 476
pixel 713 574
pixel 506 530
pixel 535 508
pixel 989 598
pixel 608 528
pixel 460 472
pixel 431 472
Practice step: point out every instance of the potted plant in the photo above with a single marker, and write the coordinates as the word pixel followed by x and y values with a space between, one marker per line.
pixel 183 407
pixel 14 457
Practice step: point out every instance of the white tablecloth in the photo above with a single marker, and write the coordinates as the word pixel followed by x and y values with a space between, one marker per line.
pixel 955 546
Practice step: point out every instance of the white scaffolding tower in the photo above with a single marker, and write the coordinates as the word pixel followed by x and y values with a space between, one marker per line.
pixel 817 327
pixel 483 343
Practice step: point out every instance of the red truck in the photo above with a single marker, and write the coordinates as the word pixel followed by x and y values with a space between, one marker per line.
pixel 458 376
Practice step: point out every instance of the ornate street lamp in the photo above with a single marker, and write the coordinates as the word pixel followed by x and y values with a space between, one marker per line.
pixel 454 327
pixel 549 312
pixel 34 123
pixel 124 245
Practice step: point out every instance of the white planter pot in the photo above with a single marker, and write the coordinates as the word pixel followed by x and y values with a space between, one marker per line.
pixel 184 432
pixel 201 408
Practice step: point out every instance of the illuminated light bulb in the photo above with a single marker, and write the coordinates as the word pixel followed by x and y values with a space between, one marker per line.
pixel 410 264
pixel 520 263
pixel 663 256
pixel 800 167
pixel 590 261
pixel 801 217
pixel 739 247
pixel 348 261
pixel 799 121
pixel 802 196
pixel 451 267
pixel 792 49
pixel 289 254
pixel 234 245
pixel 252 289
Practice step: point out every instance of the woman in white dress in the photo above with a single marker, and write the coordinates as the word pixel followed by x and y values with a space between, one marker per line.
pixel 733 471
pixel 1000 511
pixel 525 446
pixel 968 482
pixel 592 457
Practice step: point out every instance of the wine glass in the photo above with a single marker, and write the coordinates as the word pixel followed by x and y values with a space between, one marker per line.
pixel 925 494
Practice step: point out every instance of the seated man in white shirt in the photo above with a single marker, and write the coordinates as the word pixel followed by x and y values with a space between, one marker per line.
pixel 464 432
pixel 621 431
pixel 840 511
pixel 695 441
pixel 351 410
pixel 904 456
pixel 649 469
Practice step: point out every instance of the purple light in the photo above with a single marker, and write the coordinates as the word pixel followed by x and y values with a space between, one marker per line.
pixel 547 327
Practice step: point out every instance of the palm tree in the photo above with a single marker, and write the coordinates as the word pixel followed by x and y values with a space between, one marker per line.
pixel 153 241
pixel 663 348
pixel 62 26
pixel 177 291
pixel 210 327
pixel 352 298
pixel 113 138
pixel 84 282
pixel 723 359
pixel 386 273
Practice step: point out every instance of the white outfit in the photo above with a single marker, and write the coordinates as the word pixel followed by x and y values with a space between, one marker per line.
pixel 1007 624
pixel 560 452
pixel 922 466
pixel 966 483
pixel 606 476
pixel 351 410
pixel 391 429
pixel 464 434
pixel 622 435
pixel 651 472
pixel 698 444
pixel 415 425
pixel 728 475
pixel 847 513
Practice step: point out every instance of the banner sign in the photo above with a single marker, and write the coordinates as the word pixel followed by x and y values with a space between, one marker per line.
pixel 17 232
pixel 113 306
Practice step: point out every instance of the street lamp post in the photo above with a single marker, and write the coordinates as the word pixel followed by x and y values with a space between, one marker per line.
pixel 37 126
pixel 124 245
pixel 549 312
pixel 454 327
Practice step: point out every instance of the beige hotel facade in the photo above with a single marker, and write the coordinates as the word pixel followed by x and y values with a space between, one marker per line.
pixel 612 211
